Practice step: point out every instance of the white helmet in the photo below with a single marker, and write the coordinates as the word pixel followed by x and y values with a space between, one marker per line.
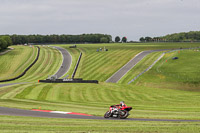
pixel 122 102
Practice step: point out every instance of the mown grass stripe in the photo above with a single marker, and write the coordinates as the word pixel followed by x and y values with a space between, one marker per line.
pixel 31 73
pixel 11 67
pixel 38 71
pixel 44 92
pixel 53 93
pixel 32 55
pixel 13 92
pixel 25 92
pixel 35 91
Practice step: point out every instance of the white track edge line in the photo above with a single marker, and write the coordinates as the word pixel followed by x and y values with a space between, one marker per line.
pixel 123 66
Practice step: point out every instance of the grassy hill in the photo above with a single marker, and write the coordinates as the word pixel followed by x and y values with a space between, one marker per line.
pixel 15 62
pixel 156 94
pixel 102 65
pixel 48 64
pixel 182 73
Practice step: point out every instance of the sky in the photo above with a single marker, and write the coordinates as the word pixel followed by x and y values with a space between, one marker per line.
pixel 130 18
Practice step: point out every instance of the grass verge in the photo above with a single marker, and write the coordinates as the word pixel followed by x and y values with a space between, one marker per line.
pixel 43 125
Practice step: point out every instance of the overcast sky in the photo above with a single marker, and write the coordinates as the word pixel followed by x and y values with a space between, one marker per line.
pixel 130 18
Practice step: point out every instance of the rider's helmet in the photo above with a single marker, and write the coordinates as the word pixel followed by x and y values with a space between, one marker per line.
pixel 122 103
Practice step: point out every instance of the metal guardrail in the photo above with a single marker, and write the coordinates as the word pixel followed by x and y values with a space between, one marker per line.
pixel 69 81
pixel 76 67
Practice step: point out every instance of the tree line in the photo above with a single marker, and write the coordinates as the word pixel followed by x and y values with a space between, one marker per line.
pixel 176 37
pixel 5 41
pixel 84 38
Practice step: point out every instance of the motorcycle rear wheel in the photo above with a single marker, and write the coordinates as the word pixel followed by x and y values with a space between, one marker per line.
pixel 124 114
pixel 107 114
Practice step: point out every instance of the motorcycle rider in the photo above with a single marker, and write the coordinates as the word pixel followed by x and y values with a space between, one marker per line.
pixel 118 111
pixel 122 104
pixel 118 106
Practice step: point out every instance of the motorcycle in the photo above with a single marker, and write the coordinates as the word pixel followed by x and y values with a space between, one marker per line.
pixel 116 111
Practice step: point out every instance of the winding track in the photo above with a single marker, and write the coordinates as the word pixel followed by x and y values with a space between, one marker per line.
pixel 63 69
pixel 67 61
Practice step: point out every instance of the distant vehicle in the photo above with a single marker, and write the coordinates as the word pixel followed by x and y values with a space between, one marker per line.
pixel 174 58
pixel 74 46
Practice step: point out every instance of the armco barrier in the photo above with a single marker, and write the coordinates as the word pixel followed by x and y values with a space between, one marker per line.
pixel 69 81
pixel 6 80
pixel 75 69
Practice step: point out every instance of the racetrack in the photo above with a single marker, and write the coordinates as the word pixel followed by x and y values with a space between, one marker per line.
pixel 67 61
pixel 20 112
pixel 127 67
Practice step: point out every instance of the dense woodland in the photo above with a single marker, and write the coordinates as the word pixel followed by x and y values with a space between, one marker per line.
pixel 192 36
pixel 84 38
pixel 7 40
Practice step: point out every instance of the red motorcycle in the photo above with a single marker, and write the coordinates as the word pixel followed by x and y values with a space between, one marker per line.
pixel 116 111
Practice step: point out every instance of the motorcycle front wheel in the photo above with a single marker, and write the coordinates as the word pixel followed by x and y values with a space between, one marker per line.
pixel 124 114
pixel 107 114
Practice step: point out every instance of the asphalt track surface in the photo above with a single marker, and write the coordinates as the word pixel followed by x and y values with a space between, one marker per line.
pixel 127 67
pixel 30 113
pixel 67 60
pixel 4 85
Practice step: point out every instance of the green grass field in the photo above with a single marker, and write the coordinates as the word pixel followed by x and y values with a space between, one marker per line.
pixel 170 90
pixel 48 63
pixel 182 73
pixel 10 64
pixel 101 65
pixel 140 67
pixel 95 99
pixel 46 125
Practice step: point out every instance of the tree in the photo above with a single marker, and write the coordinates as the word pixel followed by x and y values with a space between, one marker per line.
pixel 3 43
pixel 124 39
pixel 84 38
pixel 8 40
pixel 142 39
pixel 104 40
pixel 117 39
pixel 148 39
